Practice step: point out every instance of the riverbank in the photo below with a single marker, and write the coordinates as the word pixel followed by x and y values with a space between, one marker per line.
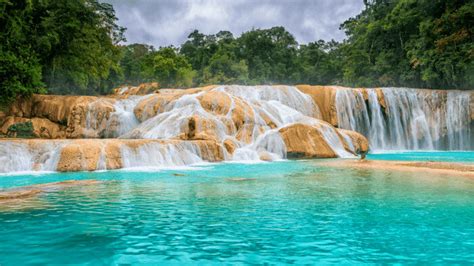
pixel 448 168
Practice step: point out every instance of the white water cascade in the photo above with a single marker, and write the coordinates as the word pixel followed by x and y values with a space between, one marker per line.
pixel 175 128
pixel 162 155
pixel 282 105
pixel 118 122
pixel 412 119
pixel 19 157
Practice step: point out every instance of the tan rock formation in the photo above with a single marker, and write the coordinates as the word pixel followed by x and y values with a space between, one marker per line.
pixel 113 154
pixel 42 127
pixel 216 102
pixel 229 146
pixel 96 154
pixel 305 141
pixel 156 103
pixel 324 97
pixel 69 113
pixel 359 144
pixel 142 89
pixel 80 155
pixel 88 118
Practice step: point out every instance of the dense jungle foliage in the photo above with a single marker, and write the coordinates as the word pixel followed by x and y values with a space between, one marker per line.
pixel 74 47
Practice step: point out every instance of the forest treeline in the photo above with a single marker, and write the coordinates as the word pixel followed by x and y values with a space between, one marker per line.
pixel 75 47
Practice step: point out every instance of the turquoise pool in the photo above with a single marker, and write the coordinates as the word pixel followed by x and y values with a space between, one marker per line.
pixel 437 156
pixel 277 213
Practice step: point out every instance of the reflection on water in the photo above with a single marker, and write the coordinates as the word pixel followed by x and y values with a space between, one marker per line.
pixel 285 212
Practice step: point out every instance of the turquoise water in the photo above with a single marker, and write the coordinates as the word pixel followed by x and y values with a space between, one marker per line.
pixel 282 212
pixel 438 156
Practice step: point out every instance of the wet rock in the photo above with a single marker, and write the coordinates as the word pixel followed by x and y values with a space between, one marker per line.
pixel 305 141
pixel 359 144
pixel 142 89
pixel 42 127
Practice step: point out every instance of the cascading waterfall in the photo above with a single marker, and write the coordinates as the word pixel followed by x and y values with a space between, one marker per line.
pixel 118 122
pixel 249 118
pixel 413 119
pixel 19 157
pixel 243 123
pixel 282 105
pixel 161 155
pixel 123 116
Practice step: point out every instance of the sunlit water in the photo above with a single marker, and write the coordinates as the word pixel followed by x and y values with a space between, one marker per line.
pixel 282 212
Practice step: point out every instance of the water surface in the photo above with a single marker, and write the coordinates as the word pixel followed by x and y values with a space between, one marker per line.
pixel 282 212
pixel 436 156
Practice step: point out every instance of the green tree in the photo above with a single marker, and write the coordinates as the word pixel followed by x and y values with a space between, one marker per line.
pixel 136 61
pixel 20 68
pixel 320 63
pixel 417 43
pixel 77 43
pixel 271 55
pixel 171 68
pixel 223 68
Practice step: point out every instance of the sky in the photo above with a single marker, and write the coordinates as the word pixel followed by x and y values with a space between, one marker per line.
pixel 169 22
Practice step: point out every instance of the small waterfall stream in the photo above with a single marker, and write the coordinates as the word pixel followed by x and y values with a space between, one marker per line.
pixel 20 157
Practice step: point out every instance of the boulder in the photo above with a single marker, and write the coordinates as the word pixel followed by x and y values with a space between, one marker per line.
pixel 358 143
pixel 306 141
pixel 80 155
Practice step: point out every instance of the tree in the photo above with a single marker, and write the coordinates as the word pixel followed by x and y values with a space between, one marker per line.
pixel 319 63
pixel 77 43
pixel 136 58
pixel 20 67
pixel 66 46
pixel 223 68
pixel 270 53
pixel 416 43
pixel 170 68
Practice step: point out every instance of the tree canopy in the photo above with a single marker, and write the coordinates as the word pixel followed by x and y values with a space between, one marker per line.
pixel 76 47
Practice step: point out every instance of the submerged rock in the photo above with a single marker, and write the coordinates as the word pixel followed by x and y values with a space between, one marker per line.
pixel 20 198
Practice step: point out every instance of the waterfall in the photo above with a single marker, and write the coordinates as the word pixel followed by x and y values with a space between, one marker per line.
pixel 244 123
pixel 111 124
pixel 160 155
pixel 123 116
pixel 412 119
pixel 255 139
pixel 21 157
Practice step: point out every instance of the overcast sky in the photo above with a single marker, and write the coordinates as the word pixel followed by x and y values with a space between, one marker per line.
pixel 166 22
